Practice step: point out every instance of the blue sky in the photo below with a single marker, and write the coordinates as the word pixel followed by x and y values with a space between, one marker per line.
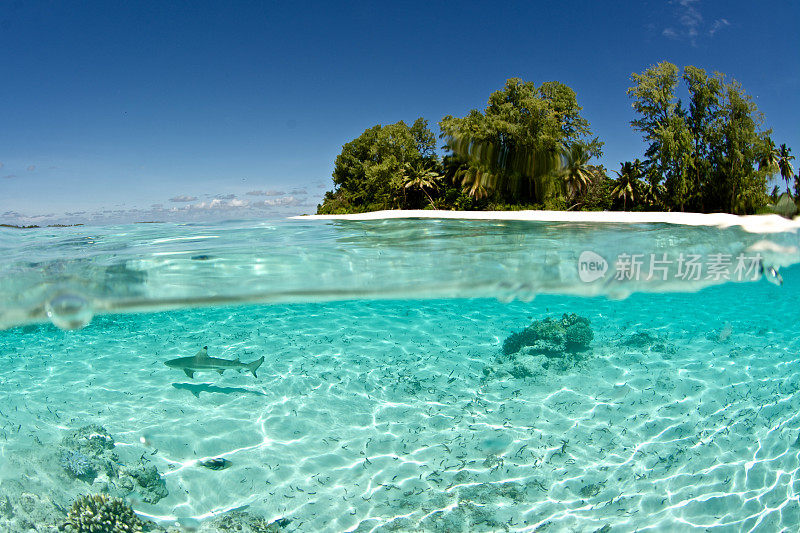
pixel 120 111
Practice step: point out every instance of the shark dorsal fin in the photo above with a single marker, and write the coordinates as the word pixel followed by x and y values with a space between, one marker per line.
pixel 202 354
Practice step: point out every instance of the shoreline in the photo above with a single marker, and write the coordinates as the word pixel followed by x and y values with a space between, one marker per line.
pixel 751 223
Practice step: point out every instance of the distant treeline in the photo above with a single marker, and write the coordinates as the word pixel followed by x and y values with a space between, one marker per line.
pixel 33 226
pixel 530 148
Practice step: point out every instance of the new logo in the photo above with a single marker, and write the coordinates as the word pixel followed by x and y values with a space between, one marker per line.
pixel 591 266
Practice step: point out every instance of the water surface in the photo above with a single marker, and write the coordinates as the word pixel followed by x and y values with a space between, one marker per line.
pixel 386 401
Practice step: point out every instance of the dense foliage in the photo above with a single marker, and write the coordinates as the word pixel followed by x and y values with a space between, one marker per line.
pixel 386 167
pixel 706 155
pixel 531 148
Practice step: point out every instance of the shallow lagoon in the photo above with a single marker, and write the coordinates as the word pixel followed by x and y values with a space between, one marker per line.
pixel 388 414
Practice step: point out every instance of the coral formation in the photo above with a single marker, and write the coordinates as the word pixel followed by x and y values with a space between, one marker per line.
pixel 644 340
pixel 244 522
pixel 151 486
pixel 6 509
pixel 94 444
pixel 100 513
pixel 21 510
pixel 547 344
pixel 88 454
pixel 570 333
pixel 78 464
pixel 91 440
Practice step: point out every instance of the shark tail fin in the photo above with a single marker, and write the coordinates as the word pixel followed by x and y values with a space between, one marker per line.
pixel 252 367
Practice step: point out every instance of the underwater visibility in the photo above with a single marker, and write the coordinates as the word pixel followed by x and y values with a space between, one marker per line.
pixel 437 374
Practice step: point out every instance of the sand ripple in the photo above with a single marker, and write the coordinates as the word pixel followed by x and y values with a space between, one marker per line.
pixel 379 416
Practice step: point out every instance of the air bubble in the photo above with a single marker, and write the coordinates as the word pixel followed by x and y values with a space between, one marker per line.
pixel 69 311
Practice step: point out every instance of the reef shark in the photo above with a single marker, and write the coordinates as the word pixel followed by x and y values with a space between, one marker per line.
pixel 202 362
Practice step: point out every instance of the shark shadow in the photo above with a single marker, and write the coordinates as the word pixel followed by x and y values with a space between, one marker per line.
pixel 197 388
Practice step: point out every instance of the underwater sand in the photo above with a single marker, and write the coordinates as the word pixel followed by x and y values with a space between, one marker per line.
pixel 379 416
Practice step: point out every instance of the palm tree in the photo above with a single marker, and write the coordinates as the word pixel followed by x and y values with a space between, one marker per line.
pixel 420 176
pixel 627 182
pixel 478 182
pixel 769 159
pixel 577 172
pixel 785 165
pixel 652 193
pixel 498 166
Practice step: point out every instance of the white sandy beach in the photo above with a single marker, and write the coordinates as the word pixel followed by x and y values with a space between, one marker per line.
pixel 751 223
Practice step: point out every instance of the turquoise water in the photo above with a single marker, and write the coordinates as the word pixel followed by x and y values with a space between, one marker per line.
pixel 386 400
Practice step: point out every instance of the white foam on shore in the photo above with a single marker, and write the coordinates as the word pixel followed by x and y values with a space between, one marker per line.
pixel 750 223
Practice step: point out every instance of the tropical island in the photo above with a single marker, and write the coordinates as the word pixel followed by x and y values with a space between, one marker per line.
pixel 532 149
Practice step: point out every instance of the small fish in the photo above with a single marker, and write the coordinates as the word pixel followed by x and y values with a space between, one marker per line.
pixel 217 463
pixel 201 362
pixel 771 273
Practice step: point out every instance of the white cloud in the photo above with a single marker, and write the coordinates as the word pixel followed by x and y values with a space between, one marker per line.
pixel 22 219
pixel 182 209
pixel 226 196
pixel 690 23
pixel 218 203
pixel 284 201
pixel 266 193
pixel 690 17
pixel 718 25
pixel 10 176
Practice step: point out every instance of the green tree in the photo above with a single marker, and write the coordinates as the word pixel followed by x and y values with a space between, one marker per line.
pixel 421 175
pixel 738 186
pixel 677 160
pixel 424 139
pixel 652 194
pixel 598 193
pixel 627 184
pixel 577 172
pixel 785 164
pixel 769 158
pixel 512 151
pixel 704 155
pixel 664 125
pixel 370 172
pixel 774 194
pixel 654 100
pixel 704 108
